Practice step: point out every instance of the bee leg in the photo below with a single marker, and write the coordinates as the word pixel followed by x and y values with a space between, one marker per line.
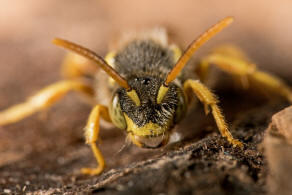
pixel 210 100
pixel 75 66
pixel 42 100
pixel 231 60
pixel 91 136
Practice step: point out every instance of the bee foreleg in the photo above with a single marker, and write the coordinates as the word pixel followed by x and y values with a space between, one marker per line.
pixel 231 60
pixel 42 100
pixel 91 136
pixel 210 100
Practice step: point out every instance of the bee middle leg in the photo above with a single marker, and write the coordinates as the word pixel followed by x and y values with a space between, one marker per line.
pixel 232 60
pixel 91 136
pixel 43 99
pixel 210 101
pixel 75 66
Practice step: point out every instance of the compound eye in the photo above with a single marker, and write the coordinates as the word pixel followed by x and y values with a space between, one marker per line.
pixel 116 113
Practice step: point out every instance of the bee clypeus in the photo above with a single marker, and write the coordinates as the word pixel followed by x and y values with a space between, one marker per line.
pixel 150 89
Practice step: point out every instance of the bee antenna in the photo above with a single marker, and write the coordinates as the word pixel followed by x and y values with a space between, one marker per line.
pixel 194 46
pixel 95 58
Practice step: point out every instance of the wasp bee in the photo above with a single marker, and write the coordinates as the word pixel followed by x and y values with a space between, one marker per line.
pixel 150 87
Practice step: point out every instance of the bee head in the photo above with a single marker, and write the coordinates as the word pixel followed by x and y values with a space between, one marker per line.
pixel 145 115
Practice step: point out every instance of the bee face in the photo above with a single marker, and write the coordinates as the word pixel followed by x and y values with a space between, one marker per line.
pixel 147 121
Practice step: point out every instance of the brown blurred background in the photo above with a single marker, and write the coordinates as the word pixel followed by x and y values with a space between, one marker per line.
pixel 262 28
pixel 28 60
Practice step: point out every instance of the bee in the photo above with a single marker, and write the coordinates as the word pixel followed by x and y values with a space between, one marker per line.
pixel 151 89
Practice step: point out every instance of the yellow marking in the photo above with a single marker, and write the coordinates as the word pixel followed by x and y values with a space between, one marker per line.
pixel 134 141
pixel 110 59
pixel 176 52
pixel 133 95
pixel 161 93
pixel 150 129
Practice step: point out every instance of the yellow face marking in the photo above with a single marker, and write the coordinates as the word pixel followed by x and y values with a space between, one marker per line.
pixel 176 52
pixel 134 141
pixel 133 95
pixel 161 93
pixel 150 129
